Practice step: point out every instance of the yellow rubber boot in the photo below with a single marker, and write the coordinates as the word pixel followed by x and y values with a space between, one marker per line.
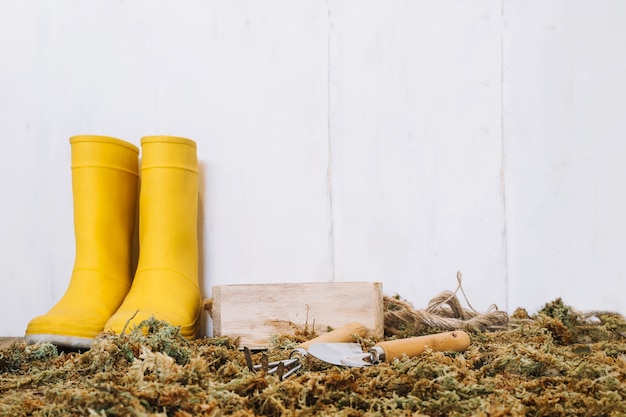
pixel 105 181
pixel 166 282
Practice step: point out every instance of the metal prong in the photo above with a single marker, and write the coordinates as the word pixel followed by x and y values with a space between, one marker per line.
pixel 288 363
pixel 271 365
pixel 247 353
pixel 284 368
pixel 274 366
pixel 291 371
pixel 280 370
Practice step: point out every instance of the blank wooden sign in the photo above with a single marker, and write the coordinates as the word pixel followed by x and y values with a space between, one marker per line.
pixel 256 312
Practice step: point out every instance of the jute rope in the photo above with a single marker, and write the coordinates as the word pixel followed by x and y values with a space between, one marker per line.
pixel 443 312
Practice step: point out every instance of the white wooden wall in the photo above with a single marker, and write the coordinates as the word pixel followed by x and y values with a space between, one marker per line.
pixel 397 141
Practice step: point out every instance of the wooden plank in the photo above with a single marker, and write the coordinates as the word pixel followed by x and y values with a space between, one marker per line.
pixel 256 312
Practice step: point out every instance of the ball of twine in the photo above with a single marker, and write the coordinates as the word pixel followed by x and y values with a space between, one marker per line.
pixel 443 312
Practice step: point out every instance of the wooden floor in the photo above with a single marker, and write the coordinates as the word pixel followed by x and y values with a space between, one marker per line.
pixel 5 342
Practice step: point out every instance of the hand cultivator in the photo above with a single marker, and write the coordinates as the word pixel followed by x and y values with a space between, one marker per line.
pixel 287 367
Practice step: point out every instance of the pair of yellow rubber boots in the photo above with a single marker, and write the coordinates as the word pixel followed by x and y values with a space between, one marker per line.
pixel 102 294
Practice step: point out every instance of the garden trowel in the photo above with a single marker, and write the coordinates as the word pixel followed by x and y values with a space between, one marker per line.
pixel 351 354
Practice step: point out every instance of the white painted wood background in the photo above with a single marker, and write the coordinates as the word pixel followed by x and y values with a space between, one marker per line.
pixel 396 141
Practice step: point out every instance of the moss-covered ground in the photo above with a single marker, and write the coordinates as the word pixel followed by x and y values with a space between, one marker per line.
pixel 554 363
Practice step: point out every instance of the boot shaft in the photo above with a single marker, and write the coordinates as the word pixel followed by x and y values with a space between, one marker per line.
pixel 168 206
pixel 105 181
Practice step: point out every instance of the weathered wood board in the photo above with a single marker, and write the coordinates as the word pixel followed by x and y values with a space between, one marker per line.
pixel 256 312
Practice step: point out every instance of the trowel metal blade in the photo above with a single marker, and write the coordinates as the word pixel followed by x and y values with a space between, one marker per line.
pixel 337 353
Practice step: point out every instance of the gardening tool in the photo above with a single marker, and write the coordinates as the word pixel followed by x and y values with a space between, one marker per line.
pixel 166 282
pixel 285 368
pixel 105 180
pixel 351 354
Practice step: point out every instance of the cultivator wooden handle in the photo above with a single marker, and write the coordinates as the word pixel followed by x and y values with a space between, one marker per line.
pixel 342 334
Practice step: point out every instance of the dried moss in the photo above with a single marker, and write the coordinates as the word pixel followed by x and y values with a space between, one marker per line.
pixel 556 363
pixel 14 357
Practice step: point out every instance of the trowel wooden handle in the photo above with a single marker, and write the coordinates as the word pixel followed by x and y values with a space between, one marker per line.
pixel 342 334
pixel 456 341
